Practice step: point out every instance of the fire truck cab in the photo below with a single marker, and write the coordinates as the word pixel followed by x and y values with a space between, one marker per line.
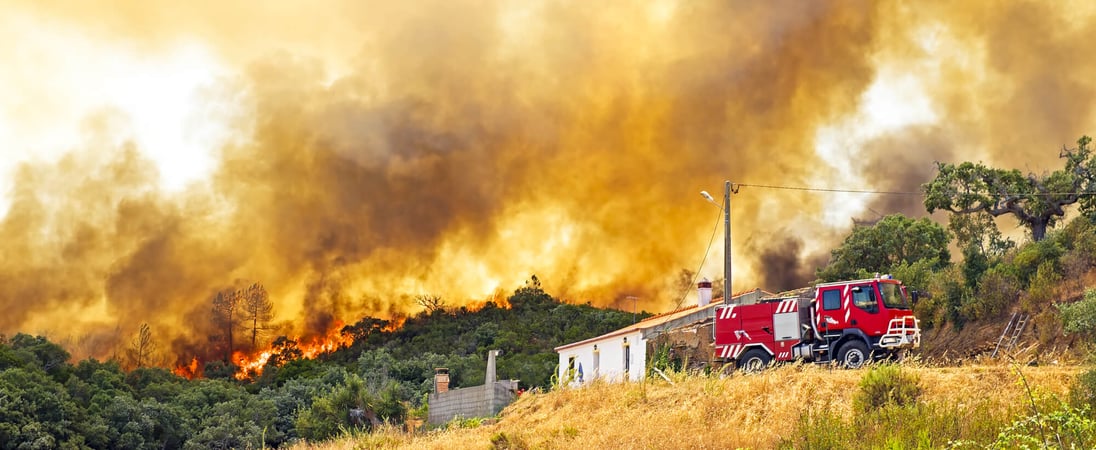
pixel 850 322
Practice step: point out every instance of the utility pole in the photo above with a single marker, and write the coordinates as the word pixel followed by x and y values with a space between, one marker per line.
pixel 727 242
pixel 635 306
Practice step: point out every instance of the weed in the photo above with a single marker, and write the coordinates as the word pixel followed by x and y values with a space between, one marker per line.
pixel 503 441
pixel 1083 390
pixel 887 384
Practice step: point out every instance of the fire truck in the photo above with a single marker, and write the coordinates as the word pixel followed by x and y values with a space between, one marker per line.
pixel 848 322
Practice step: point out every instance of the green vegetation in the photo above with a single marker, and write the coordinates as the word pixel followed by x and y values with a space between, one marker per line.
pixel 1036 201
pixel 46 402
pixel 887 385
pixel 1042 278
pixel 893 242
pixel 383 378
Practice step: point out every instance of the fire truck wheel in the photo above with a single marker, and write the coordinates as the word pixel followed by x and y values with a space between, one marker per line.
pixel 853 355
pixel 754 360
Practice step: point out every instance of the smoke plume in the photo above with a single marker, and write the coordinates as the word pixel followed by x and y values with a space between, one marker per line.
pixel 378 151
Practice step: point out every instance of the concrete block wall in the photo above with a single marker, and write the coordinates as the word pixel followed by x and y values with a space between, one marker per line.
pixel 477 401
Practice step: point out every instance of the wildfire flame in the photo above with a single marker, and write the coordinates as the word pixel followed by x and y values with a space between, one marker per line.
pixel 394 324
pixel 188 371
pixel 251 365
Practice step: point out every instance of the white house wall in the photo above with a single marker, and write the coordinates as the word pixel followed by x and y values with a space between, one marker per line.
pixel 610 364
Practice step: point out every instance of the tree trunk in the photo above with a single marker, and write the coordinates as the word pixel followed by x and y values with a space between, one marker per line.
pixel 1039 230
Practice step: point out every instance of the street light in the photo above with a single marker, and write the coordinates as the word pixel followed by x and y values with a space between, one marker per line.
pixel 726 207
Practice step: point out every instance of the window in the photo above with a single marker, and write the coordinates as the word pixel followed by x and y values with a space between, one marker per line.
pixel 570 367
pixel 627 356
pixel 831 299
pixel 597 362
pixel 893 296
pixel 864 298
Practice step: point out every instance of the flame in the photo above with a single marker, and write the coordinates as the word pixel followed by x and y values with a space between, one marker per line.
pixel 251 365
pixel 394 324
pixel 188 371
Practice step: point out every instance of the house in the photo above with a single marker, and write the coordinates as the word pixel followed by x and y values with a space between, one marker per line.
pixel 623 354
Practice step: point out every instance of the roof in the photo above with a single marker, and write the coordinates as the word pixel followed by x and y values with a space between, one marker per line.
pixel 656 320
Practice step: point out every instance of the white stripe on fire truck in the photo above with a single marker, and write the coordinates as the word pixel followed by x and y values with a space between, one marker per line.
pixel 731 351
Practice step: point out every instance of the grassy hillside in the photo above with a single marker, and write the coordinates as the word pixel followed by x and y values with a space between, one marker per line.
pixel 801 406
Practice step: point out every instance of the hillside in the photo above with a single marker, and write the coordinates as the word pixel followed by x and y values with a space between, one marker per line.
pixel 796 406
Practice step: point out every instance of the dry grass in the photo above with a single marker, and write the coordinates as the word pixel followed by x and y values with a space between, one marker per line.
pixel 745 411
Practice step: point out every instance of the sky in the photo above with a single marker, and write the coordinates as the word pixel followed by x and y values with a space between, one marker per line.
pixel 352 155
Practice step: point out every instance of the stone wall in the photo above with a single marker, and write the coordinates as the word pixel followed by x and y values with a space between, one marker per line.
pixel 692 345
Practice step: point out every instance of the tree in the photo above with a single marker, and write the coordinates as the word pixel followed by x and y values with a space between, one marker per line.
pixel 257 312
pixel 141 348
pixel 980 232
pixel 430 303
pixel 1036 201
pixel 225 318
pixel 894 240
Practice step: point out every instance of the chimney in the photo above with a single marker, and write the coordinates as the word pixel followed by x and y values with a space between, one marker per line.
pixel 490 379
pixel 704 289
pixel 441 380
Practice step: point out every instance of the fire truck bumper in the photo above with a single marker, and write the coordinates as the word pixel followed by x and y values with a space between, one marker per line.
pixel 902 332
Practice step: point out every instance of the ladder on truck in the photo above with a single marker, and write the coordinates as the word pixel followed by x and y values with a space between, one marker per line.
pixel 1015 327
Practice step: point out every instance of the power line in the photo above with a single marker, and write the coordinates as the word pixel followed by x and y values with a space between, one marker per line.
pixel 813 189
pixel 865 191
pixel 703 261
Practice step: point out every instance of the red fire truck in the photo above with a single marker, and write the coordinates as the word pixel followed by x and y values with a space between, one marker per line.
pixel 850 322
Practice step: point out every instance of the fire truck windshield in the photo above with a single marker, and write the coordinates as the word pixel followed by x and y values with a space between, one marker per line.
pixel 893 297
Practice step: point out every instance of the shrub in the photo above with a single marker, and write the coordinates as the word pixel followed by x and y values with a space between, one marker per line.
pixel 1067 427
pixel 996 292
pixel 1044 287
pixel 887 384
pixel 1082 392
pixel 1080 317
pixel 819 429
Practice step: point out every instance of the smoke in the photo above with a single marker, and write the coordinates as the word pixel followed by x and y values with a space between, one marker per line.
pixel 380 151
pixel 783 269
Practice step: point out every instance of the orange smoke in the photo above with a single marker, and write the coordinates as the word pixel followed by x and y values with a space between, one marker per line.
pixel 456 147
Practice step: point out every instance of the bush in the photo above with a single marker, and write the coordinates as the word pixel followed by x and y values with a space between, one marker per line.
pixel 885 385
pixel 996 292
pixel 1044 287
pixel 1066 427
pixel 1080 317
pixel 1082 393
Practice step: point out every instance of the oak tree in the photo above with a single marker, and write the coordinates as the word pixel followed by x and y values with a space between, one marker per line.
pixel 1037 201
pixel 894 240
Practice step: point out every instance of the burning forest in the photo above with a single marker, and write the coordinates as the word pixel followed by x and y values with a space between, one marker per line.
pixel 348 159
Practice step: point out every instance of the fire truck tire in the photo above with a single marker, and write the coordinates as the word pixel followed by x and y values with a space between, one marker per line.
pixel 754 360
pixel 853 355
